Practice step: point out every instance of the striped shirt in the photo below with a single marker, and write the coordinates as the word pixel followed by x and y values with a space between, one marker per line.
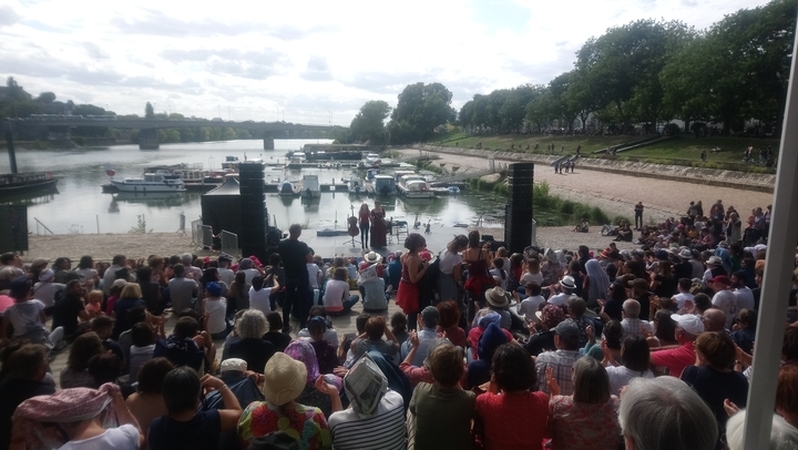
pixel 562 361
pixel 384 430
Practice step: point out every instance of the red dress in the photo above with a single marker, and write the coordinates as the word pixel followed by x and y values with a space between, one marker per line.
pixel 407 294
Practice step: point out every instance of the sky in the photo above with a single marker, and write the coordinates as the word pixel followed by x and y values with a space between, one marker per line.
pixel 312 62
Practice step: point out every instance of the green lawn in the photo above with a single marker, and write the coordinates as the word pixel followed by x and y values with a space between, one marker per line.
pixel 684 150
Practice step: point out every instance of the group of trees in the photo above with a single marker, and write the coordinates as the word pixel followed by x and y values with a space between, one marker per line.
pixel 649 72
pixel 420 109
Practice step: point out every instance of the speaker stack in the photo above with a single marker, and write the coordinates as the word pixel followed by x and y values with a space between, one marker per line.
pixel 253 209
pixel 518 211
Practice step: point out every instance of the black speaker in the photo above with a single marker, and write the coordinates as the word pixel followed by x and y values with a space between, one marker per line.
pixel 518 211
pixel 253 226
pixel 13 228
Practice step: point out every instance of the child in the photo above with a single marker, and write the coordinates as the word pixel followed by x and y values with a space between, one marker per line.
pixel 325 352
pixel 532 274
pixel 27 317
pixel 94 304
pixel 184 427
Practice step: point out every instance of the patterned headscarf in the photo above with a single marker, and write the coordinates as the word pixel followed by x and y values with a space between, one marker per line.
pixel 552 315
pixel 302 351
pixel 66 406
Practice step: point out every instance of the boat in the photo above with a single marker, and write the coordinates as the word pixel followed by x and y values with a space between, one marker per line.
pixel 310 186
pixel 356 186
pixel 414 186
pixel 231 163
pixel 373 160
pixel 15 183
pixel 150 182
pixel 384 185
pixel 453 190
pixel 288 189
pixel 329 232
pixel 296 160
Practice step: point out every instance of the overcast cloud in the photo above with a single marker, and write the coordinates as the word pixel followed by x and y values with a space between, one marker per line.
pixel 311 61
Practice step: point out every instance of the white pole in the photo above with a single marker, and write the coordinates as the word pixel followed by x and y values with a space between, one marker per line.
pixel 779 264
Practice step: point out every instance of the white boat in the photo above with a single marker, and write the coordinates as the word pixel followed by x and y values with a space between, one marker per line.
pixel 453 190
pixel 373 159
pixel 310 186
pixel 288 189
pixel 384 185
pixel 356 186
pixel 414 186
pixel 150 182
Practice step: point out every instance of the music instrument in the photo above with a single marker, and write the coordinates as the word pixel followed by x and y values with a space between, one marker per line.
pixel 352 229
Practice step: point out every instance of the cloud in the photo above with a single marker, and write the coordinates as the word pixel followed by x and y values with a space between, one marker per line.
pixel 258 64
pixel 94 51
pixel 8 16
pixel 317 69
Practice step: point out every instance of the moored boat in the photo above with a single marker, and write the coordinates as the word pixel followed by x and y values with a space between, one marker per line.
pixel 414 186
pixel 310 186
pixel 150 182
pixel 14 183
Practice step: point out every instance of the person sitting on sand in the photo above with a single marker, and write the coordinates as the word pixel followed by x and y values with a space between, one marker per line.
pixel 583 227
pixel 624 232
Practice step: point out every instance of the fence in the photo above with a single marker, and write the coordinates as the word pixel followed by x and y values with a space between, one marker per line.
pixel 230 244
pixel 201 235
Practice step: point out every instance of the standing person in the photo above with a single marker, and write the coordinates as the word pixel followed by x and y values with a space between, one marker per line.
pixel 450 275
pixel 413 270
pixel 378 228
pixel 363 217
pixel 639 216
pixel 296 255
pixel 479 280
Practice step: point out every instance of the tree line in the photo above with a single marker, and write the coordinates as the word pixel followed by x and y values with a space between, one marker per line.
pixel 733 74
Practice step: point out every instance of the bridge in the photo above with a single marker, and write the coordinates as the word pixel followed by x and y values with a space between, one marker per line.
pixel 148 135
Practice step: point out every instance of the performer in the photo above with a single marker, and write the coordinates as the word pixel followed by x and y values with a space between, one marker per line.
pixel 363 217
pixel 378 227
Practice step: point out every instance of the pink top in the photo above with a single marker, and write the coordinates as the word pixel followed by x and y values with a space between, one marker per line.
pixel 109 306
pixel 513 421
pixel 577 426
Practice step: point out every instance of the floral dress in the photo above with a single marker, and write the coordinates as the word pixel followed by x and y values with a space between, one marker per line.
pixel 304 423
pixel 577 426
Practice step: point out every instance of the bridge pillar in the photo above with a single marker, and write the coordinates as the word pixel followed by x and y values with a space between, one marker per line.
pixel 148 139
pixel 268 141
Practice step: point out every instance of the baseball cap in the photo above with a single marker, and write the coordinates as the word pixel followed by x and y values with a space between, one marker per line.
pixel 567 330
pixel 689 323
pixel 720 279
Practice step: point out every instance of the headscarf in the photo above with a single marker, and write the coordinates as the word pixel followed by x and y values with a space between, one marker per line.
pixel 551 316
pixel 599 281
pixel 491 339
pixel 302 351
pixel 65 406
pixel 489 318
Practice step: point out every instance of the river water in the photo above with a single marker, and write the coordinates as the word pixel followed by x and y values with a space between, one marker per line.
pixel 80 206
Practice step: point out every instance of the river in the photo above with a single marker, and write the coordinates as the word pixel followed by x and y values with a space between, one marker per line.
pixel 80 206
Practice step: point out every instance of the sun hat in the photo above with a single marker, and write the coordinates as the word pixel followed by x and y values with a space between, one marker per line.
pixel 284 379
pixel 365 385
pixel 689 323
pixel 46 275
pixel 497 297
pixel 715 260
pixel 372 257
pixel 120 283
pixel 213 288
pixel 685 253
pixel 233 364
pixel 568 282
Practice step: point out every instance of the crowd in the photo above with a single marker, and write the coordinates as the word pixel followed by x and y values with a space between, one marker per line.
pixel 537 349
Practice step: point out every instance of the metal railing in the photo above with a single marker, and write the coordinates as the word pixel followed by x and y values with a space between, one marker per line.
pixel 230 244
pixel 196 233
pixel 534 233
pixel 39 223
pixel 207 237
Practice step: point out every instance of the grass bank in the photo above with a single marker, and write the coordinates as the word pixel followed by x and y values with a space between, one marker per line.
pixel 684 151
pixel 550 210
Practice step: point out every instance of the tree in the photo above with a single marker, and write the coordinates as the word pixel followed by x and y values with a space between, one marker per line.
pixel 149 112
pixel 46 98
pixel 369 123
pixel 420 109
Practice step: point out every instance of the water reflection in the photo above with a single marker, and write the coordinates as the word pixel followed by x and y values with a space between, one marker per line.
pixel 155 199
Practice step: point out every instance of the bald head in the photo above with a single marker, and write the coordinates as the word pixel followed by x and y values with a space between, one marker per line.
pixel 714 320
pixel 631 308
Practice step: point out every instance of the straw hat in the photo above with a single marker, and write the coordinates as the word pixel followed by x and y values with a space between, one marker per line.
pixel 284 379
pixel 498 297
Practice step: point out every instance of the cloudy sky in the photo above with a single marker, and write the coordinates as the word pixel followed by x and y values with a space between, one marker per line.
pixel 305 61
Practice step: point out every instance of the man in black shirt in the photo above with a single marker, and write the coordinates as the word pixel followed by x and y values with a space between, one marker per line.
pixel 295 255
pixel 68 309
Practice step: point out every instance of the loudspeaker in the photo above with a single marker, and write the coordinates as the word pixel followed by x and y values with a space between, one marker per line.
pixel 518 211
pixel 253 226
pixel 13 228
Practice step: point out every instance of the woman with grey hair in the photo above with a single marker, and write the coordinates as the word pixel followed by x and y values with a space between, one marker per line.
pixel 250 345
pixel 587 418
pixel 664 413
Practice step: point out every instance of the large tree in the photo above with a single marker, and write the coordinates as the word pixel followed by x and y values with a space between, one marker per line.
pixel 149 111
pixel 369 123
pixel 421 108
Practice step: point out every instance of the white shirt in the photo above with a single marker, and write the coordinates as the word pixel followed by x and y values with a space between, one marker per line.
pixel 334 295
pixel 448 261
pixel 313 275
pixel 24 316
pixel 216 310
pixel 125 437
pixel 621 376
pixel 226 275
pixel 260 299
pixel 502 282
pixel 527 278
pixel 249 274
pixel 45 292
pixel 745 298
pixel 529 306
pixel 559 299
pixel 726 301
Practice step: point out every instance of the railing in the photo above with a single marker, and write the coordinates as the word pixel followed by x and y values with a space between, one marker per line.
pixel 39 223
pixel 534 233
pixel 207 237
pixel 196 233
pixel 230 244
